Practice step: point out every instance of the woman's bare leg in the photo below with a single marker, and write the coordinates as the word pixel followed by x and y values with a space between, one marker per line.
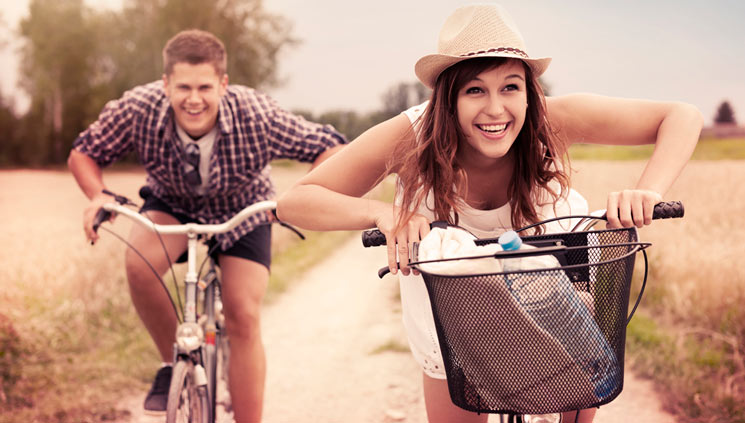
pixel 440 408
pixel 585 416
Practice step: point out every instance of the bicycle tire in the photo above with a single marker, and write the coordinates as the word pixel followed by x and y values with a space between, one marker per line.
pixel 222 371
pixel 187 402
pixel 209 356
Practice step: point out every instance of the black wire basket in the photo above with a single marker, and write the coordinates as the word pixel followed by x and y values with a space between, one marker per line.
pixel 544 350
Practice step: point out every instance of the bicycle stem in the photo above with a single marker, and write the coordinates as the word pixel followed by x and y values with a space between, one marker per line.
pixel 190 280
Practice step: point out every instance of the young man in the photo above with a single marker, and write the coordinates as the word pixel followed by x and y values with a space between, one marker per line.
pixel 206 147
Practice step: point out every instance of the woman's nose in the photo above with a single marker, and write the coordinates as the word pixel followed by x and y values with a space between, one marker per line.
pixel 495 106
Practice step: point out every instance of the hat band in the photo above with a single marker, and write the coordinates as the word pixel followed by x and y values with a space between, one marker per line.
pixel 498 50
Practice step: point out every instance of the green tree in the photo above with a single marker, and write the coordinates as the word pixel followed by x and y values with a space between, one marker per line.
pixel 545 86
pixel 402 96
pixel 74 58
pixel 725 114
pixel 55 64
pixel 9 128
pixel 253 38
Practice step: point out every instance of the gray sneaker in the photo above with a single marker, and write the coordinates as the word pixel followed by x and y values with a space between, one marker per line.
pixel 157 399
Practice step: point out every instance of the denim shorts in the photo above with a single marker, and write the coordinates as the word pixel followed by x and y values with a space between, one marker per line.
pixel 255 245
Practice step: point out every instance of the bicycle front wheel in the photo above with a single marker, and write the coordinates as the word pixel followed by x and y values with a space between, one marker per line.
pixel 187 402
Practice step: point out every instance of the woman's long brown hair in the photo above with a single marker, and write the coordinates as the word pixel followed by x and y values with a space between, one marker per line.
pixel 428 161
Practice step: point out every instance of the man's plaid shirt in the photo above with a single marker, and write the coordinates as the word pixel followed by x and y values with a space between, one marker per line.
pixel 253 131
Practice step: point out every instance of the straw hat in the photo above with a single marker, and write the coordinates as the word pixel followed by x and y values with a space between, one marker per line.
pixel 479 30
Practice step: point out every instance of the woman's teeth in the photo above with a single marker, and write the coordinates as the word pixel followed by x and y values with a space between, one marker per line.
pixel 492 128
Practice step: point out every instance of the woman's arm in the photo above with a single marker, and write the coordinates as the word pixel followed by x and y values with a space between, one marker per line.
pixel 330 196
pixel 673 128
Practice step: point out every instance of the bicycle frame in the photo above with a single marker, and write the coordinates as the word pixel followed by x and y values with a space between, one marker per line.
pixel 191 230
pixel 193 343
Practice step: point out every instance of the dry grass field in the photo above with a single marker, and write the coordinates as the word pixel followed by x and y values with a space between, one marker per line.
pixel 690 335
pixel 68 332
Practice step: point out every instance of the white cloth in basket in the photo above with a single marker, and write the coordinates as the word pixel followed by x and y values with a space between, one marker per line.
pixel 455 243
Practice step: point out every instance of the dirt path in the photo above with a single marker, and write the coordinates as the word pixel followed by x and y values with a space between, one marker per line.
pixel 320 335
pixel 320 339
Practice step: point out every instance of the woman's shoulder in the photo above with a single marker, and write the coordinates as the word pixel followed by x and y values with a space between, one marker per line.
pixel 414 113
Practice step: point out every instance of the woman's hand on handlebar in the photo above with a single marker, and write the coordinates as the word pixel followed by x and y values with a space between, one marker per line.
pixel 631 207
pixel 89 214
pixel 399 245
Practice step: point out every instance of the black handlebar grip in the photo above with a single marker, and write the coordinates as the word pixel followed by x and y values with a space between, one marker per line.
pixel 383 271
pixel 667 210
pixel 145 192
pixel 101 216
pixel 373 238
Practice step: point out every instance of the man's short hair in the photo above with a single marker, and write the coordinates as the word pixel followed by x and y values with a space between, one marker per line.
pixel 195 47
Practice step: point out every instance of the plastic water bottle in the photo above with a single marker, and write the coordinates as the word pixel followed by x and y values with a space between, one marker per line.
pixel 552 302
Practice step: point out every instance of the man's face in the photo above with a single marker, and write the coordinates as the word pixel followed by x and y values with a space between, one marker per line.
pixel 195 92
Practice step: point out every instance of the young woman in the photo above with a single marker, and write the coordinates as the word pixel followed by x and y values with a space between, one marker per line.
pixel 487 152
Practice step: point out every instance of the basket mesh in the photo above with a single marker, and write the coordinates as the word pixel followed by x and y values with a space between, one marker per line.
pixel 498 359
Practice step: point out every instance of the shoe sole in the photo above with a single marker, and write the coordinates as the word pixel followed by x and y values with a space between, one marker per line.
pixel 154 413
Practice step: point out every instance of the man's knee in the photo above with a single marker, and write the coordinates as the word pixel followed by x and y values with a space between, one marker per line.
pixel 142 271
pixel 135 266
pixel 244 321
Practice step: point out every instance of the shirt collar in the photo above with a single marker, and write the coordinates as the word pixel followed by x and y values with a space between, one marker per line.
pixel 225 115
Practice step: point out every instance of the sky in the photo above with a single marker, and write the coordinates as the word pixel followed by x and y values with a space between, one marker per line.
pixel 352 51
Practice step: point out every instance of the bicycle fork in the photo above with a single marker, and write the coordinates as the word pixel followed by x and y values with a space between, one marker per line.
pixel 212 333
pixel 189 334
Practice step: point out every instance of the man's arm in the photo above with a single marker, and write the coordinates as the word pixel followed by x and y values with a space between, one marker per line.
pixel 291 136
pixel 89 177
pixel 87 173
pixel 326 154
pixel 102 143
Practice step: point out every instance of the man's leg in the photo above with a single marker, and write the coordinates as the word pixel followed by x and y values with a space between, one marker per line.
pixel 150 299
pixel 243 285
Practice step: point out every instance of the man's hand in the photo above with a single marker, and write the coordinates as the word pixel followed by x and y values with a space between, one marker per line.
pixel 89 214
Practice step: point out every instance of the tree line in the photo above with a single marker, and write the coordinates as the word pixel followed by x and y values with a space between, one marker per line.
pixel 75 58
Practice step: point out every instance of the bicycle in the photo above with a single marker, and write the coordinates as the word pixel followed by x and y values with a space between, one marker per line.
pixel 478 316
pixel 201 352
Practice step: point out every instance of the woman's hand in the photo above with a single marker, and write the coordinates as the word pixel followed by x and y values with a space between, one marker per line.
pixel 631 207
pixel 400 244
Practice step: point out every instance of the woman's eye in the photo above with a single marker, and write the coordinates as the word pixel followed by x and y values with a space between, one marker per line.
pixel 474 90
pixel 511 87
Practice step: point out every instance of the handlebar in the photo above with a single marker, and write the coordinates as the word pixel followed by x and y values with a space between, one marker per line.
pixel 107 210
pixel 187 228
pixel 664 210
pixel 668 210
